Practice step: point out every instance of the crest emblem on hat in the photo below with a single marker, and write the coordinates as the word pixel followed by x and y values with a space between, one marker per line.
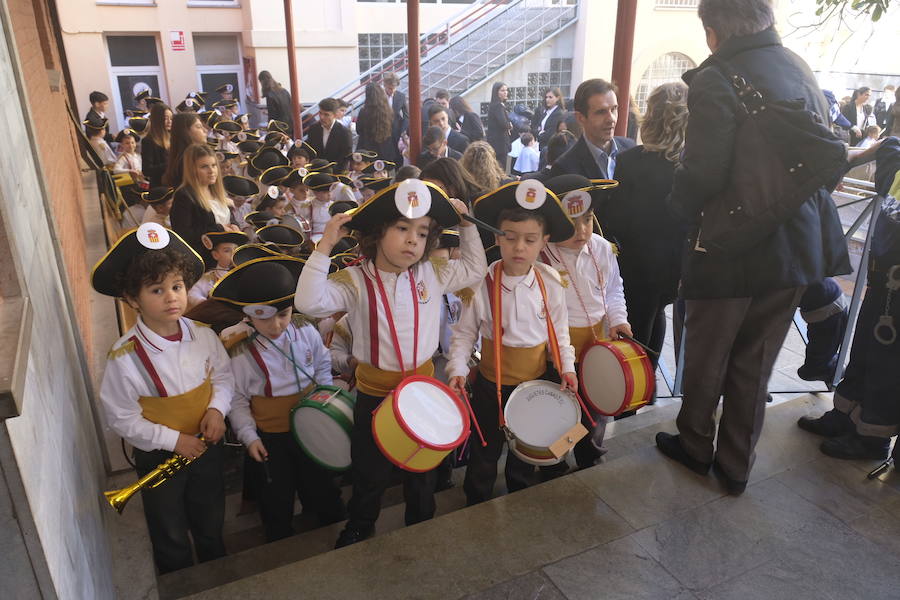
pixel 412 198
pixel 531 194
pixel 189 102
pixel 244 119
pixel 220 157
pixel 576 203
pixel 302 171
pixel 242 137
pixel 379 165
pixel 272 192
pixel 260 311
pixel 356 157
pixel 229 87
pixel 152 236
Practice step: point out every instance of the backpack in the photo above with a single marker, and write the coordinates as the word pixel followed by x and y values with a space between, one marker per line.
pixel 783 154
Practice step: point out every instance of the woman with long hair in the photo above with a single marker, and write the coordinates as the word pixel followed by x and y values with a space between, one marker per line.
pixel 552 113
pixel 187 129
pixel 498 124
pixel 200 203
pixel 278 99
pixel 375 123
pixel 480 162
pixel 155 146
pixel 468 120
pixel 448 174
pixel 636 219
pixel 859 112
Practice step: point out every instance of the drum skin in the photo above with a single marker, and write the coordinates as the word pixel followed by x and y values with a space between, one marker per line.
pixel 534 453
pixel 336 424
pixel 619 357
pixel 397 440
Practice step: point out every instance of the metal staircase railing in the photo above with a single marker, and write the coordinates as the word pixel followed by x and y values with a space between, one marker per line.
pixel 469 48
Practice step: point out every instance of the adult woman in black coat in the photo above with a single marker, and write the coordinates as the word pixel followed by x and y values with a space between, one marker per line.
pixel 467 119
pixel 200 204
pixel 859 112
pixel 635 217
pixel 498 125
pixel 155 146
pixel 375 123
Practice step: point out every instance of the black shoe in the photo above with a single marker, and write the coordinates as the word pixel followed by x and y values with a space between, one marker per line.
pixel 823 373
pixel 831 424
pixel 353 535
pixel 670 445
pixel 549 472
pixel 732 486
pixel 852 446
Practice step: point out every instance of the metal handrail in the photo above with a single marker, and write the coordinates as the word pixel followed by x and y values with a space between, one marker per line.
pixel 559 13
pixel 398 61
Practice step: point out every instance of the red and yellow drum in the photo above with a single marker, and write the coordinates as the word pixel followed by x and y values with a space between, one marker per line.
pixel 615 376
pixel 419 423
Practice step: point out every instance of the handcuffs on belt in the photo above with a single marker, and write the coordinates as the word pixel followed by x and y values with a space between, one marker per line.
pixel 885 332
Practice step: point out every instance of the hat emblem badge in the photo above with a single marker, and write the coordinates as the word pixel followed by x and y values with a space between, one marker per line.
pixel 575 205
pixel 258 311
pixel 153 236
pixel 531 195
pixel 413 199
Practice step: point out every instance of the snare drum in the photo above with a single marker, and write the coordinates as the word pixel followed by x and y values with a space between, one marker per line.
pixel 419 423
pixel 321 424
pixel 615 376
pixel 538 415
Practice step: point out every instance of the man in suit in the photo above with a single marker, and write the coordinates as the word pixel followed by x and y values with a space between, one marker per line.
pixel 397 102
pixel 439 117
pixel 594 154
pixel 436 147
pixel 331 140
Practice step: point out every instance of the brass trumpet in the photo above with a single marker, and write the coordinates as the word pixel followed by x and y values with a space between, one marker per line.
pixel 165 471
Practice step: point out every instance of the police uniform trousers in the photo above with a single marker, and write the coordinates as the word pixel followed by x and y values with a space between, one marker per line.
pixel 372 471
pixel 193 500
pixel 730 349
pixel 481 471
pixel 870 389
pixel 293 474
pixel 823 308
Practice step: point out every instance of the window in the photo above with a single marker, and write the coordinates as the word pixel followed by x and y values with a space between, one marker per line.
pixel 666 68
pixel 213 4
pixel 690 4
pixel 134 67
pixel 375 47
pixel 219 62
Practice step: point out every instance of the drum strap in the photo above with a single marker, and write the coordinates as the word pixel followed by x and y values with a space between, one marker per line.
pixel 292 360
pixel 390 319
pixel 572 280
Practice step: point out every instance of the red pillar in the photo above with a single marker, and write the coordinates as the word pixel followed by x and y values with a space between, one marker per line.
pixel 413 77
pixel 622 53
pixel 292 67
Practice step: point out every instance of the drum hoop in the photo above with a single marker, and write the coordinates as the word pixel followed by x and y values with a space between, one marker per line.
pixel 509 433
pixel 626 373
pixel 384 451
pixel 408 430
pixel 339 391
pixel 338 417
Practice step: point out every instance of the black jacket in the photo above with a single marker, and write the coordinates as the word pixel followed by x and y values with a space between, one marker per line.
pixel 635 217
pixel 578 160
pixel 191 221
pixel 471 127
pixel 425 157
pixel 543 136
pixel 386 149
pixel 498 127
pixel 339 147
pixel 457 141
pixel 805 249
pixel 154 160
pixel 850 112
pixel 278 105
pixel 93 115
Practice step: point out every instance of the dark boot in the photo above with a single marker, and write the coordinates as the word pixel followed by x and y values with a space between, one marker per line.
pixel 670 445
pixel 353 535
pixel 831 424
pixel 852 446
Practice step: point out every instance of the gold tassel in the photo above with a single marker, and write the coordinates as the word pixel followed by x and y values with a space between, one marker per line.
pixel 343 277
pixel 122 350
pixel 465 295
pixel 440 265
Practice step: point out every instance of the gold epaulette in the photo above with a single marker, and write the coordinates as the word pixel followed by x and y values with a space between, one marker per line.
pixel 614 248
pixel 562 278
pixel 343 277
pixel 299 320
pixel 440 265
pixel 122 350
pixel 200 323
pixel 234 344
pixel 465 295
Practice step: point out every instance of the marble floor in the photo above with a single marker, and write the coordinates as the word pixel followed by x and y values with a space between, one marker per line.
pixel 637 526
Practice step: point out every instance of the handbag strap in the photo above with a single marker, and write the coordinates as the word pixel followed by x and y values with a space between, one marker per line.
pixel 750 99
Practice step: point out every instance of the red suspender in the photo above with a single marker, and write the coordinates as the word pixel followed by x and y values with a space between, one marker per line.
pixel 262 365
pixel 148 366
pixel 373 320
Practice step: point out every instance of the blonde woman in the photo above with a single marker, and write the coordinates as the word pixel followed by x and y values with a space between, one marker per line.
pixel 200 204
pixel 480 161
pixel 636 219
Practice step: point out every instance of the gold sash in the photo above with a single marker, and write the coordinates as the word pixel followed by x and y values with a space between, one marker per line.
pixel 580 337
pixel 272 413
pixel 377 382
pixel 516 364
pixel 182 412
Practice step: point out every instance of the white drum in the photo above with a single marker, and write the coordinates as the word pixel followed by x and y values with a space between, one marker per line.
pixel 538 415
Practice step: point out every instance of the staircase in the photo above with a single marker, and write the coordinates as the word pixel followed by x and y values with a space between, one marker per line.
pixel 470 48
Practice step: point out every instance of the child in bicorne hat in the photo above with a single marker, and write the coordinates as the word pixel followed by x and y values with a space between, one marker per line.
pixel 221 245
pixel 399 226
pixel 276 361
pixel 167 380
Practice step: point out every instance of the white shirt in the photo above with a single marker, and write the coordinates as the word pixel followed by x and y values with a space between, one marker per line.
pixel 242 211
pixel 181 366
pixel 516 148
pixel 310 355
pixel 524 319
pixel 546 116
pixel 104 151
pixel 316 213
pixel 221 212
pixel 341 346
pixel 128 162
pixel 326 133
pixel 200 290
pixel 587 283
pixel 529 160
pixel 319 295
pixel 151 216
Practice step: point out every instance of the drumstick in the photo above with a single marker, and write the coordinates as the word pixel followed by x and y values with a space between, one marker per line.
pixel 265 464
pixel 646 348
pixel 585 409
pixel 483 225
pixel 474 420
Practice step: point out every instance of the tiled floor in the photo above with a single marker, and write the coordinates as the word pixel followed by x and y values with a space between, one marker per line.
pixel 638 526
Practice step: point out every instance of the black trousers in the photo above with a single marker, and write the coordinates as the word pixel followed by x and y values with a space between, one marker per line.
pixel 293 474
pixel 372 474
pixel 191 501
pixel 647 316
pixel 481 471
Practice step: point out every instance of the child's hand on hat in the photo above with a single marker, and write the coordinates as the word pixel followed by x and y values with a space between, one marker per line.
pixel 212 426
pixel 462 209
pixel 334 230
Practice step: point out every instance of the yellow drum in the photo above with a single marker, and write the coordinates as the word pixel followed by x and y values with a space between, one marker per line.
pixel 615 376
pixel 419 423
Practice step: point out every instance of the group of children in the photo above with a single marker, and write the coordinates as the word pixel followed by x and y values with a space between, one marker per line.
pixel 390 275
